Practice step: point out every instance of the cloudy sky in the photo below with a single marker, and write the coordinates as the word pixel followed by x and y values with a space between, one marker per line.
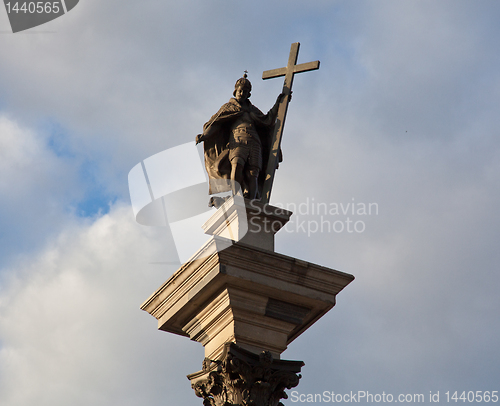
pixel 403 113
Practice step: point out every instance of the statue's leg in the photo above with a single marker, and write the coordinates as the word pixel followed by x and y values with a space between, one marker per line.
pixel 252 175
pixel 253 168
pixel 253 186
pixel 236 174
pixel 238 157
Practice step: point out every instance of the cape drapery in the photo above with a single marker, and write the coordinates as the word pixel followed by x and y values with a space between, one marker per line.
pixel 217 132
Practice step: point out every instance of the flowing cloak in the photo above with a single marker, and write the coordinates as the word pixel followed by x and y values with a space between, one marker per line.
pixel 217 132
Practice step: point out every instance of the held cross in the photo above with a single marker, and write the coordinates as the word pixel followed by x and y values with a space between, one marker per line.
pixel 288 72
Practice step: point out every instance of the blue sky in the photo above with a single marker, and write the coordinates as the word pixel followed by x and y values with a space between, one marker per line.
pixel 403 112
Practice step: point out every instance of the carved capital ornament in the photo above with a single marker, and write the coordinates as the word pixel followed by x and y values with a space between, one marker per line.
pixel 242 378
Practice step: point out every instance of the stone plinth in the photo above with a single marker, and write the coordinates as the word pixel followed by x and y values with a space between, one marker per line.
pixel 245 294
pixel 247 221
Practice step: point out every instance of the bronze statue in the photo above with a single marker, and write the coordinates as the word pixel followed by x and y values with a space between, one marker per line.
pixel 243 145
pixel 237 140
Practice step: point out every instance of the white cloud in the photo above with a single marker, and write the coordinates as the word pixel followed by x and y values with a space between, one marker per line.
pixel 37 188
pixel 25 162
pixel 71 329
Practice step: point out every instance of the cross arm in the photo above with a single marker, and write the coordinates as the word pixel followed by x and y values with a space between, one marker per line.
pixel 303 67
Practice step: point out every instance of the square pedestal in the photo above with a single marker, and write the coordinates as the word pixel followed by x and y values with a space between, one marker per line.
pixel 247 293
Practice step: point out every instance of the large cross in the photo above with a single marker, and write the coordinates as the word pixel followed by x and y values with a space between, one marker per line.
pixel 288 72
